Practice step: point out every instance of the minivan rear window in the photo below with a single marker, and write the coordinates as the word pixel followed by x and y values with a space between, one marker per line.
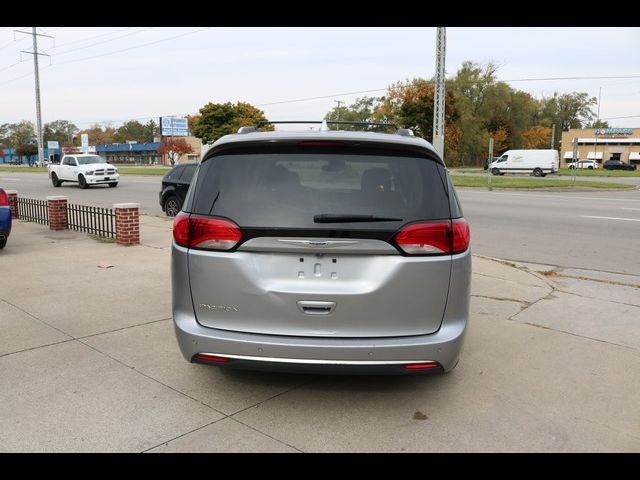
pixel 301 190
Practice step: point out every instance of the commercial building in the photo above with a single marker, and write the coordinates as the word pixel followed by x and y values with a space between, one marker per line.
pixel 146 153
pixel 602 144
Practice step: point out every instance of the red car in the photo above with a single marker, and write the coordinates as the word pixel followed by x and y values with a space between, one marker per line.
pixel 5 218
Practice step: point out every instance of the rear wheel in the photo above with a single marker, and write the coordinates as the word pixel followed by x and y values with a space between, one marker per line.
pixel 172 206
pixel 82 181
pixel 54 180
pixel 495 171
pixel 113 184
pixel 3 242
pixel 537 172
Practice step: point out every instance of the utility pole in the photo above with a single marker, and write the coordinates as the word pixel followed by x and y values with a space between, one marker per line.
pixel 37 77
pixel 438 99
pixel 338 102
pixel 553 135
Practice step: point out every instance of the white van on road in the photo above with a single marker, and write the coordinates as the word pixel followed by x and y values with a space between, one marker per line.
pixel 536 162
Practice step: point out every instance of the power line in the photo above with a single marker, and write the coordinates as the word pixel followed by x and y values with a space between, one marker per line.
pixel 132 48
pixel 93 36
pixel 66 52
pixel 617 118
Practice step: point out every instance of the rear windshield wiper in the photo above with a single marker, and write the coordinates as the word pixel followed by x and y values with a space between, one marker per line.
pixel 348 218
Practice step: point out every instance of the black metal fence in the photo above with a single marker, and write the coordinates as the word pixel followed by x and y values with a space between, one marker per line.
pixel 33 210
pixel 93 220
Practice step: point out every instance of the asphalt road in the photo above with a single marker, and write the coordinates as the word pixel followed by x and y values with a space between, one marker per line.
pixel 598 230
pixel 585 229
pixel 131 188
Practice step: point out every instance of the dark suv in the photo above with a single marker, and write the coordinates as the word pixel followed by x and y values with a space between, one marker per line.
pixel 175 184
pixel 323 251
pixel 617 165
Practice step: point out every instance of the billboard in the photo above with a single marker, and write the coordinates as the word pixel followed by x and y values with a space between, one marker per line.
pixel 174 127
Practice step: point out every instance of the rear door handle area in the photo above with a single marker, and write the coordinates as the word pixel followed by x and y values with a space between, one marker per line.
pixel 311 307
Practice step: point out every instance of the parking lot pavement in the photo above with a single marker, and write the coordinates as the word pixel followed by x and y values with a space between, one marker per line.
pixel 89 362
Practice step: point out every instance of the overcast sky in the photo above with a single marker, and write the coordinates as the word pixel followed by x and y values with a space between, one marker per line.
pixel 98 75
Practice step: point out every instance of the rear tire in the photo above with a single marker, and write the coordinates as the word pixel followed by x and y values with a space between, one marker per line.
pixel 3 242
pixel 590 168
pixel 537 172
pixel 82 181
pixel 54 180
pixel 495 171
pixel 172 206
pixel 113 184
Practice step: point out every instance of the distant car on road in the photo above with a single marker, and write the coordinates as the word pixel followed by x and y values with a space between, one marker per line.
pixel 582 164
pixel 5 218
pixel 175 185
pixel 85 170
pixel 618 165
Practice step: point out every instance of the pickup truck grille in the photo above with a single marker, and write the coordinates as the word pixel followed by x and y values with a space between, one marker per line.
pixel 110 171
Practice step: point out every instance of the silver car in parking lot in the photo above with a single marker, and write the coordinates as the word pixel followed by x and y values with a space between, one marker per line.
pixel 322 251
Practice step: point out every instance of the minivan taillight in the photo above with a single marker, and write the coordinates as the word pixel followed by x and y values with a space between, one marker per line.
pixel 434 238
pixel 192 231
pixel 4 198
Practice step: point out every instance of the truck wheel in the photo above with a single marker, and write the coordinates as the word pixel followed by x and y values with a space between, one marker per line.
pixel 113 184
pixel 537 172
pixel 54 180
pixel 590 168
pixel 82 181
pixel 3 242
pixel 172 206
pixel 495 171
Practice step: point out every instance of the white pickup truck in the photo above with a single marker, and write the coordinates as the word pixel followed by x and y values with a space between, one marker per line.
pixel 85 169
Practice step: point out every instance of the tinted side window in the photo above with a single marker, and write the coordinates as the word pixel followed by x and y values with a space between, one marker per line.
pixel 187 173
pixel 173 174
pixel 286 190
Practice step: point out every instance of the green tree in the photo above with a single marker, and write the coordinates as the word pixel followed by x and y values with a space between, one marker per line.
pixel 409 104
pixel 362 110
pixel 569 110
pixel 219 119
pixel 598 124
pixel 99 135
pixel 134 131
pixel 152 130
pixel 61 131
pixel 28 150
pixel 20 133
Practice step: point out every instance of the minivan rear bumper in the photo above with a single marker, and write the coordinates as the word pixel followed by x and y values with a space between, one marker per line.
pixel 322 355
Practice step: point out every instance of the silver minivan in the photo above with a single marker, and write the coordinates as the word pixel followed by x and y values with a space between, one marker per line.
pixel 321 251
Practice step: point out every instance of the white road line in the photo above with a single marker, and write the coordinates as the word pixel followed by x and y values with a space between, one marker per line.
pixel 142 181
pixel 10 179
pixel 629 208
pixel 542 194
pixel 612 218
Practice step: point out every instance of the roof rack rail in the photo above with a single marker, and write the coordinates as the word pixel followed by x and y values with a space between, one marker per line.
pixel 405 132
pixel 334 122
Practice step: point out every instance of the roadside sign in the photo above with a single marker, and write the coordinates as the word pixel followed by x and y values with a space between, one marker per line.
pixel 52 144
pixel 489 161
pixel 85 142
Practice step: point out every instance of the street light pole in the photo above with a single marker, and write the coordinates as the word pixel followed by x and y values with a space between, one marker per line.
pixel 338 102
pixel 438 98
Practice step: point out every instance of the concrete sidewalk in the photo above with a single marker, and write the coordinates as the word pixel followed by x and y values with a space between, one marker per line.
pixel 89 362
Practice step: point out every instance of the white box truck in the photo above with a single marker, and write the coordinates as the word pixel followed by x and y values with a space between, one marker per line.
pixel 536 162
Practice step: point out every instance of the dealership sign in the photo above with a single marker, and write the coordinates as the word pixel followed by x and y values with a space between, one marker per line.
pixel 614 131
pixel 174 127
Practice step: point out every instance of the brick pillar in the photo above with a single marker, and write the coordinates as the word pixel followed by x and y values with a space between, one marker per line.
pixel 57 213
pixel 127 223
pixel 13 203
